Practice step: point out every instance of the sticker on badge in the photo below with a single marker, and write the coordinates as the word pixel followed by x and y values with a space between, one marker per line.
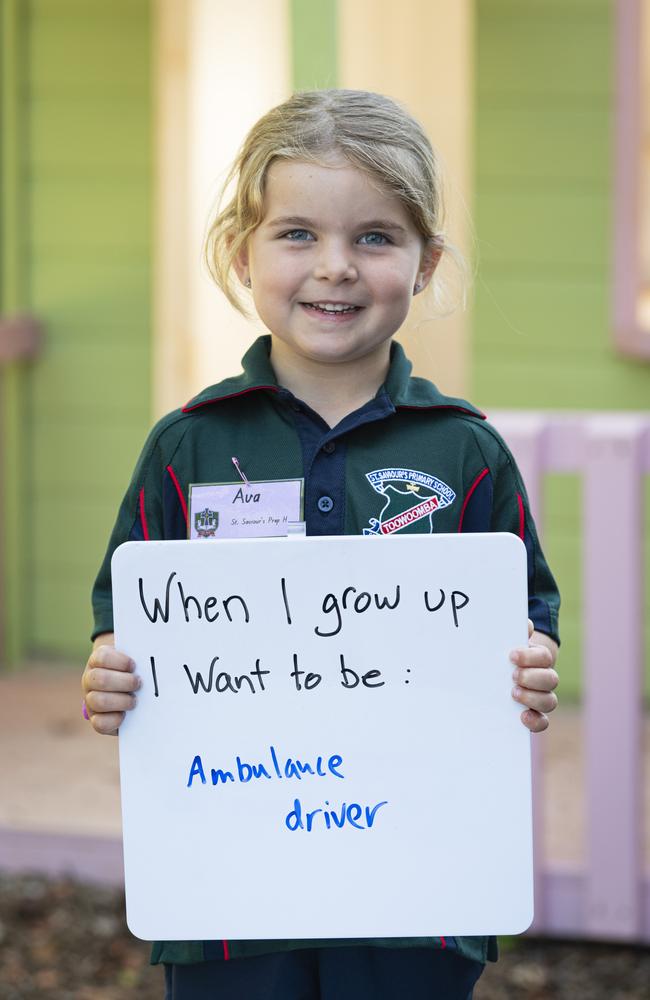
pixel 268 509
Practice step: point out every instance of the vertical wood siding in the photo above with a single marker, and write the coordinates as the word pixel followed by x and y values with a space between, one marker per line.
pixel 87 251
pixel 314 48
pixel 12 300
pixel 421 53
pixel 542 336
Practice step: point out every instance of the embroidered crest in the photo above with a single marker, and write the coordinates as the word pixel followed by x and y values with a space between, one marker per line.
pixel 409 497
pixel 206 523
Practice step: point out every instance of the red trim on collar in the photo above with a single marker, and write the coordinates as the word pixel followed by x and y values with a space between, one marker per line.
pixel 189 408
pixel 441 406
pixel 231 395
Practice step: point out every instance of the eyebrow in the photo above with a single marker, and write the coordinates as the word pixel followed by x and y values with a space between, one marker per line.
pixel 297 220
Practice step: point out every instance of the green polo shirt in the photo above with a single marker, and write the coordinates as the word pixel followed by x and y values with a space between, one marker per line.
pixel 410 461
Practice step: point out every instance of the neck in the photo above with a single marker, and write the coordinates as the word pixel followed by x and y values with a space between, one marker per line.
pixel 332 390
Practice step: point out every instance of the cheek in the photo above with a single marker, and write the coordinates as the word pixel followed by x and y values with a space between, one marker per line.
pixel 396 286
pixel 270 290
pixel 398 276
pixel 280 280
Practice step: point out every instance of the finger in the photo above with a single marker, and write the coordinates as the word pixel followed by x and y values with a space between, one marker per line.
pixel 531 628
pixel 536 700
pixel 536 678
pixel 532 656
pixel 99 679
pixel 107 723
pixel 105 702
pixel 536 722
pixel 110 658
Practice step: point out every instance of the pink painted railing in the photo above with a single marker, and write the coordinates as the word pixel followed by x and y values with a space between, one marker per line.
pixel 608 896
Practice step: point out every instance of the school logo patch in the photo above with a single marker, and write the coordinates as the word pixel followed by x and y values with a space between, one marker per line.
pixel 409 496
pixel 206 523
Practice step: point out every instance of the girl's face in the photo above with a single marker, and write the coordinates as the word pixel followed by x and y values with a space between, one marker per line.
pixel 333 263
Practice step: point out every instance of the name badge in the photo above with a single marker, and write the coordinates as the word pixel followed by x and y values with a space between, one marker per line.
pixel 246 510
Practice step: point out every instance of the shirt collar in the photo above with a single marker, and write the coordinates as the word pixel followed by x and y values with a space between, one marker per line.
pixel 412 393
pixel 404 391
pixel 258 374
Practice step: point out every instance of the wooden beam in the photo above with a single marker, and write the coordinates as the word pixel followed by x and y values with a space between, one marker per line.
pixel 172 249
pixel 421 53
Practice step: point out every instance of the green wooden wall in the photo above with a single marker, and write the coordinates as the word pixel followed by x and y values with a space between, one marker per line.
pixel 313 26
pixel 11 300
pixel 74 422
pixel 544 152
pixel 85 179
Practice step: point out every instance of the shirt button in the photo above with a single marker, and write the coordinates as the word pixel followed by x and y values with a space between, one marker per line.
pixel 325 504
pixel 329 447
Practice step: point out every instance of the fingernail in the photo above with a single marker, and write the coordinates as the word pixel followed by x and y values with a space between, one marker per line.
pixel 514 657
pixel 516 692
pixel 138 682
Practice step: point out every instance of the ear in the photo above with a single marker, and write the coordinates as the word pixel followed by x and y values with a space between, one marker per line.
pixel 428 263
pixel 241 265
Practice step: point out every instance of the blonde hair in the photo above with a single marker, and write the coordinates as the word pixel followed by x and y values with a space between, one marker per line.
pixel 371 131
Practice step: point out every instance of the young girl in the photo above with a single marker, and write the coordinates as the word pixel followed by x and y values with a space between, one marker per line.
pixel 334 226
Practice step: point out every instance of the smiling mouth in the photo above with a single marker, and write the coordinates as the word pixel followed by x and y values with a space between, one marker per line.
pixel 331 308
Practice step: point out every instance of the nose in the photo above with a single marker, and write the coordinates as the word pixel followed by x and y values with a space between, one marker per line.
pixel 334 262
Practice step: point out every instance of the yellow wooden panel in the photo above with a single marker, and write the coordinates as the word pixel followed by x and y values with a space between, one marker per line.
pixel 420 52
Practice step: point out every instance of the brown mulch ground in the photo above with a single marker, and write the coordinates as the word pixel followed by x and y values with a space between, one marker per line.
pixel 60 940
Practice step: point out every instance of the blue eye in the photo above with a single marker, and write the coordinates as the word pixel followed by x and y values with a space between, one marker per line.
pixel 298 235
pixel 374 239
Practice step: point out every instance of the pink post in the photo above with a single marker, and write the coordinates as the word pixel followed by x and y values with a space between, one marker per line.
pixel 613 675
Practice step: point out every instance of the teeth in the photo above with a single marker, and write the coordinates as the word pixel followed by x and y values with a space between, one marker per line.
pixel 332 307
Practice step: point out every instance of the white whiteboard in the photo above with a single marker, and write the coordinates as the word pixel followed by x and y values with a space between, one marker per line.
pixel 421 802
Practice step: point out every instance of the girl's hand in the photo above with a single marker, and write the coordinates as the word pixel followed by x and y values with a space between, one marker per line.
pixel 108 685
pixel 535 679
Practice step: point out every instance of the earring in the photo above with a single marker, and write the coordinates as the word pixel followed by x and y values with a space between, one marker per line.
pixel 417 287
pixel 248 282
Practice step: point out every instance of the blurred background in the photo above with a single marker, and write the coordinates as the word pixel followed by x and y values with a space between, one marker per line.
pixel 118 121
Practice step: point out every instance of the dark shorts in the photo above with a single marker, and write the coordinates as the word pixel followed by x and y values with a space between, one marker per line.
pixel 353 973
